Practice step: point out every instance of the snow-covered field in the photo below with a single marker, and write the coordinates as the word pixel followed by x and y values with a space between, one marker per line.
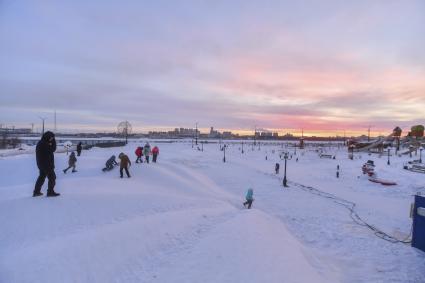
pixel 182 219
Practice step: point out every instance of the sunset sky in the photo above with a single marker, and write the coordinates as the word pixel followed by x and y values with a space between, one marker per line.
pixel 323 66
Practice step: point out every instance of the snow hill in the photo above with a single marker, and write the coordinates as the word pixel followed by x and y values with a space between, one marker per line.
pixel 182 219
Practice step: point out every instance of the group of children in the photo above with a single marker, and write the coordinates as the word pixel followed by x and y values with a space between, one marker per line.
pixel 141 151
pixel 125 162
pixel 146 151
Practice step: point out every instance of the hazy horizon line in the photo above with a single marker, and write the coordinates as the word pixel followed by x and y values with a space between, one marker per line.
pixel 87 129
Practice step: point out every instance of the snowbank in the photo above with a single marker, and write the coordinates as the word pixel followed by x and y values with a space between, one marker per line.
pixel 170 222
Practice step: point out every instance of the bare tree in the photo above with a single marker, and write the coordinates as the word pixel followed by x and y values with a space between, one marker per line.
pixel 124 128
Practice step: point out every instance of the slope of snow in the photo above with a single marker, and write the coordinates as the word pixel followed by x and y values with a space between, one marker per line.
pixel 182 220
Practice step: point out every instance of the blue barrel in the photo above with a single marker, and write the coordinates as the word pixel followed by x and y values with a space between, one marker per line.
pixel 418 236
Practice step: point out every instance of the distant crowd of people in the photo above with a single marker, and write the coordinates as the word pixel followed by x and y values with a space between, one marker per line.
pixel 46 162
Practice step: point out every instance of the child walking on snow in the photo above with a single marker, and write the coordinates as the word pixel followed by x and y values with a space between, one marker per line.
pixel 139 154
pixel 155 152
pixel 124 164
pixel 71 163
pixel 249 198
pixel 147 151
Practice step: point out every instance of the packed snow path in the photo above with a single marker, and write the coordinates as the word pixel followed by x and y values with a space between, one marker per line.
pixel 182 220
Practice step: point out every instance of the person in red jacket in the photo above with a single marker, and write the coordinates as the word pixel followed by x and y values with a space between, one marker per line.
pixel 139 154
pixel 155 152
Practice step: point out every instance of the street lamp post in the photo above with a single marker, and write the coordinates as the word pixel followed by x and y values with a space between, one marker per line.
pixel 352 152
pixel 255 136
pixel 202 146
pixel 42 119
pixel 242 147
pixel 389 149
pixel 42 131
pixel 224 153
pixel 284 175
pixel 196 133
pixel 420 154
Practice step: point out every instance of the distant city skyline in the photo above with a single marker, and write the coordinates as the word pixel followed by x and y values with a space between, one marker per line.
pixel 322 66
pixel 206 130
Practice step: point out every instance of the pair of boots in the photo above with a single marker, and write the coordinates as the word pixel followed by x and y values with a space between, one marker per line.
pixel 248 203
pixel 73 169
pixel 126 171
pixel 49 194
pixel 51 176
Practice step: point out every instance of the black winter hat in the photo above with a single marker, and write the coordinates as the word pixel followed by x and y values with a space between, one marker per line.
pixel 47 135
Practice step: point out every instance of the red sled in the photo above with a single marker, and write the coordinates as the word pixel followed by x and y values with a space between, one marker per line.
pixel 383 182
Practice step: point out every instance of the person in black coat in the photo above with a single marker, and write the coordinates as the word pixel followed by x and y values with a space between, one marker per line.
pixel 79 148
pixel 46 164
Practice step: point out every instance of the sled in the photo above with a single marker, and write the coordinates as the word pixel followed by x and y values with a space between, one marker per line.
pixel 415 168
pixel 368 168
pixel 327 156
pixel 383 182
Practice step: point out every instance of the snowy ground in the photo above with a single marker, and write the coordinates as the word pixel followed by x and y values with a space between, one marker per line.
pixel 182 219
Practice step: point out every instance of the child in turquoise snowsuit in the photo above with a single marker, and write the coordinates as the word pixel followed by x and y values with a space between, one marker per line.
pixel 249 198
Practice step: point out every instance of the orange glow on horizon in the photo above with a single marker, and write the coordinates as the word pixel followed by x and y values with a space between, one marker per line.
pixel 242 132
pixel 317 133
